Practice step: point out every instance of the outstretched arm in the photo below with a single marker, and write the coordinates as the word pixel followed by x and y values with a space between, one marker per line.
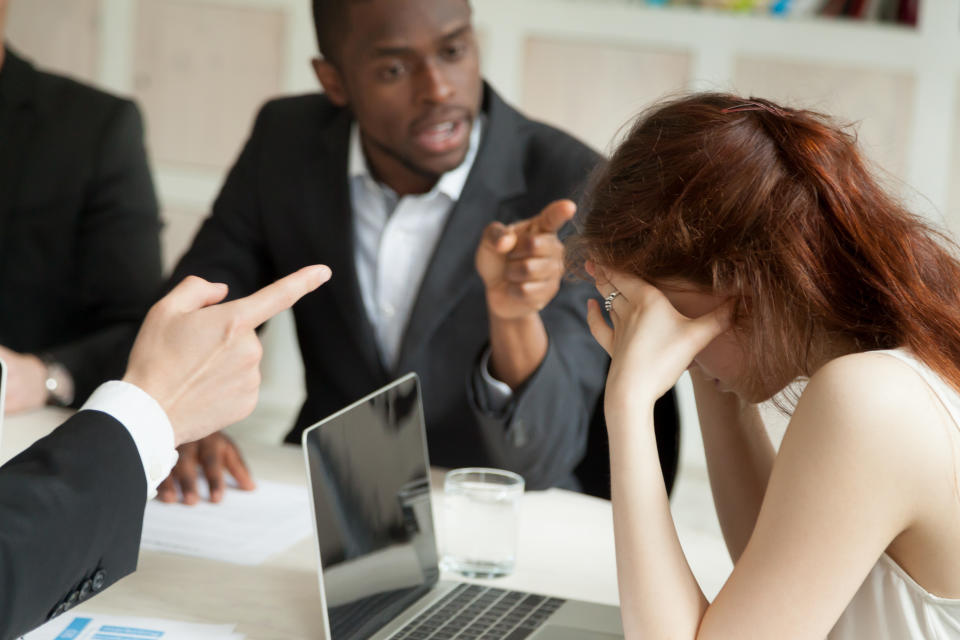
pixel 71 509
pixel 521 266
pixel 71 505
pixel 540 347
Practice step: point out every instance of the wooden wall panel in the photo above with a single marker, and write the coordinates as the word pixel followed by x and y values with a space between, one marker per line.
pixel 879 103
pixel 201 72
pixel 59 35
pixel 591 89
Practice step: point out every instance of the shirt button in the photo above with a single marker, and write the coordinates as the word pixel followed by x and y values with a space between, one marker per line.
pixel 387 310
pixel 98 579
pixel 86 589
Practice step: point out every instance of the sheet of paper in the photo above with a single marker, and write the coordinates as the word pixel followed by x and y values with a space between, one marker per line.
pixel 246 527
pixel 97 627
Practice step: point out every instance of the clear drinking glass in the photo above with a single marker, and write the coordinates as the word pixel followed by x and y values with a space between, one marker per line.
pixel 480 514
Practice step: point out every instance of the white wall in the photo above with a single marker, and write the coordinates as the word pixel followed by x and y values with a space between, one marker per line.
pixel 200 68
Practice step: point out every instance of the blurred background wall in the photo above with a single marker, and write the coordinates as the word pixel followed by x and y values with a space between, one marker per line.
pixel 201 68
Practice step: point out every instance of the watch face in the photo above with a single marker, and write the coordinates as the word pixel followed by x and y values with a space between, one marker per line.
pixel 59 384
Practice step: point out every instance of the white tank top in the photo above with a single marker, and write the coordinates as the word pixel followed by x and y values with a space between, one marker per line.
pixel 890 605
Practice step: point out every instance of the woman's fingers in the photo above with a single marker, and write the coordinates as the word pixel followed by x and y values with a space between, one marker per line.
pixel 601 331
pixel 607 289
pixel 710 325
pixel 631 294
pixel 600 279
pixel 631 287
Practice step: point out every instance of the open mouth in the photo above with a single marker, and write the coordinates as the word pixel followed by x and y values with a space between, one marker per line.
pixel 442 137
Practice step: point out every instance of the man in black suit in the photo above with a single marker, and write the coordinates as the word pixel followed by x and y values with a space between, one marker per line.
pixel 71 505
pixel 415 182
pixel 79 233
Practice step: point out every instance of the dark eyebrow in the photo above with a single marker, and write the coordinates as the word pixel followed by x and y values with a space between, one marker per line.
pixel 403 51
pixel 456 33
pixel 391 52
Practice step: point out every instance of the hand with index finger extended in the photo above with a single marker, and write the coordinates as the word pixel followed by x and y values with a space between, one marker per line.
pixel 522 264
pixel 200 360
pixel 552 218
pixel 260 306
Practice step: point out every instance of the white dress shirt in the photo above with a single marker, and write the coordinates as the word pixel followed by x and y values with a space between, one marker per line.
pixel 394 241
pixel 147 423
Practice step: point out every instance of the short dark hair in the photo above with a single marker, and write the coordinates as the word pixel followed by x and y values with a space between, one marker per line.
pixel 330 22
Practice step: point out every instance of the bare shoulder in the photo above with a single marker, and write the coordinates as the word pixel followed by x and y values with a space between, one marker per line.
pixel 877 408
pixel 872 384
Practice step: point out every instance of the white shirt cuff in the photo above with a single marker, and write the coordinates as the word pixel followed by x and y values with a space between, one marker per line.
pixel 147 423
pixel 496 394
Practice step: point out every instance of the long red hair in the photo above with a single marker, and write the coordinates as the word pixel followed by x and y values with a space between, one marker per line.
pixel 777 208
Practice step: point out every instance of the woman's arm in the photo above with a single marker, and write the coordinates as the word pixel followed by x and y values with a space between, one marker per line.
pixel 843 485
pixel 739 459
pixel 650 560
pixel 659 596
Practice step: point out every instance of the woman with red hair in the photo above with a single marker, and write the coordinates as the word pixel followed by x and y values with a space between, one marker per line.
pixel 749 243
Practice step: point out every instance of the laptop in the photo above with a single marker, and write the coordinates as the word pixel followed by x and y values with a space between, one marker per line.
pixel 369 481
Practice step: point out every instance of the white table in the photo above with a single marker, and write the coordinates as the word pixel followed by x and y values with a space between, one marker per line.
pixel 565 549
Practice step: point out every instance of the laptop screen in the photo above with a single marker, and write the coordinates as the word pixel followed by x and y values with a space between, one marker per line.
pixel 371 491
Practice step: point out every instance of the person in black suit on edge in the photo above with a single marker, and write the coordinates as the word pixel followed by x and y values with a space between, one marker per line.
pixel 79 233
pixel 416 183
pixel 71 505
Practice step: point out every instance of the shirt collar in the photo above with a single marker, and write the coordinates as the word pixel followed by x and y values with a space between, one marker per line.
pixel 450 184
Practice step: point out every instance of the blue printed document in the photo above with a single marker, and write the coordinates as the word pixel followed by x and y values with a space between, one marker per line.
pixel 97 627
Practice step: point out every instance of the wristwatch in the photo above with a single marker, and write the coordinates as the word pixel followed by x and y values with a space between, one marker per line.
pixel 59 383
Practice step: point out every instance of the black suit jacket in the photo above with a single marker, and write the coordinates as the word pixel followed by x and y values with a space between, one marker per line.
pixel 79 231
pixel 71 512
pixel 286 204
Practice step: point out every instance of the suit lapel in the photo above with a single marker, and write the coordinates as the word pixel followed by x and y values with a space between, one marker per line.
pixel 17 126
pixel 496 176
pixel 330 223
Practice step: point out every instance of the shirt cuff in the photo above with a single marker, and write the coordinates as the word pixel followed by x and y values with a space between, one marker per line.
pixel 493 396
pixel 147 423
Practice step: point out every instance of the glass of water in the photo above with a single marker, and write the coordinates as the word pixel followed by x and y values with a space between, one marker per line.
pixel 480 514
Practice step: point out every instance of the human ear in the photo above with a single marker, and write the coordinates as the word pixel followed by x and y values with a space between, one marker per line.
pixel 331 81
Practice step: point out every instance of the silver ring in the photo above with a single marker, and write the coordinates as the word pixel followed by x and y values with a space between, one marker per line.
pixel 608 301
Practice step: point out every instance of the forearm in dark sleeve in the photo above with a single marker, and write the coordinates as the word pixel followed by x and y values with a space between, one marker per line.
pixel 71 509
pixel 543 433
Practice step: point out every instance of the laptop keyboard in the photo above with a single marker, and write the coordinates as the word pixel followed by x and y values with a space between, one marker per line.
pixel 472 612
pixel 350 620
